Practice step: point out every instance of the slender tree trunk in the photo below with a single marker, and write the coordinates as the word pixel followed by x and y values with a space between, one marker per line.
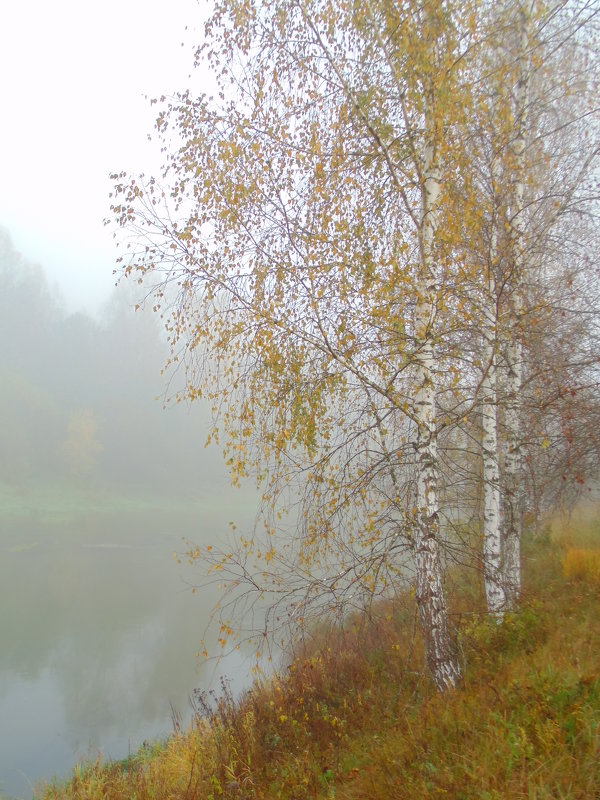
pixel 492 543
pixel 512 477
pixel 514 352
pixel 441 654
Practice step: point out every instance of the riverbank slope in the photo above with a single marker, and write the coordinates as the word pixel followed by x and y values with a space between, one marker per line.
pixel 356 716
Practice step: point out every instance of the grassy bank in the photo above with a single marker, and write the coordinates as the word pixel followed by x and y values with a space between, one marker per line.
pixel 355 716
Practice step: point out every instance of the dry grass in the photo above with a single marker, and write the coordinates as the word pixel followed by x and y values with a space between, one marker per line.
pixel 582 564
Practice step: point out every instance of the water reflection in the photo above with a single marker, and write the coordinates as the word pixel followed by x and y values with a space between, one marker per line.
pixel 99 633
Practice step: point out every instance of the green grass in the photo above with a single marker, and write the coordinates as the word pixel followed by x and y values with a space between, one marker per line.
pixel 356 716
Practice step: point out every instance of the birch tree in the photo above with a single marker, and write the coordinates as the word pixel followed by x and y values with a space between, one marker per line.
pixel 337 283
pixel 492 532
pixel 430 594
pixel 523 12
pixel 308 232
pixel 553 91
pixel 538 84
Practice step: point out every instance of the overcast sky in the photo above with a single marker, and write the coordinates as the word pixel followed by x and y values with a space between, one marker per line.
pixel 74 76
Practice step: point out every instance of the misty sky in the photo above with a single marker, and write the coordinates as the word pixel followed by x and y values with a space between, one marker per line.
pixel 74 76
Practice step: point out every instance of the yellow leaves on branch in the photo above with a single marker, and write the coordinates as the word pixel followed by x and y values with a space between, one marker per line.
pixel 300 260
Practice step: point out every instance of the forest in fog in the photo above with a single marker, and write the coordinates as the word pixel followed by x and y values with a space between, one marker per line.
pixel 83 400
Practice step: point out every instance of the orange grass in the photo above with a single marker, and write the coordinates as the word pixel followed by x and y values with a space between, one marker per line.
pixel 582 564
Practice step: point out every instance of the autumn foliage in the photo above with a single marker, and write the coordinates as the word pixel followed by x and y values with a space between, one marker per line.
pixel 359 248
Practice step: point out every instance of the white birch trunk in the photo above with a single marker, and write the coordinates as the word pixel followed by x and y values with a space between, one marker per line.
pixel 512 476
pixel 492 543
pixel 441 655
pixel 514 351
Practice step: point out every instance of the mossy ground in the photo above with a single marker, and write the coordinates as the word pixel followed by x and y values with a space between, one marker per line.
pixel 355 715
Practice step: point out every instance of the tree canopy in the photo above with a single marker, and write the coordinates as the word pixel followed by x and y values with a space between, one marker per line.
pixel 341 246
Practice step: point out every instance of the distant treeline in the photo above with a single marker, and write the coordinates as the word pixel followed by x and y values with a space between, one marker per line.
pixel 82 398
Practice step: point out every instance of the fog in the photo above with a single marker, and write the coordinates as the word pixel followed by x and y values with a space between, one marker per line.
pixel 83 397
pixel 100 487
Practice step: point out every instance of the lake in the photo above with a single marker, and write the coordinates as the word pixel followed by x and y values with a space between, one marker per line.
pixel 99 633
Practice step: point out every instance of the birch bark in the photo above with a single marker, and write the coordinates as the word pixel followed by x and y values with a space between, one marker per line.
pixel 441 655
pixel 492 546
pixel 514 351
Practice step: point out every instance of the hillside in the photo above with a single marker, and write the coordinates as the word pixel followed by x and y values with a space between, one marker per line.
pixel 356 716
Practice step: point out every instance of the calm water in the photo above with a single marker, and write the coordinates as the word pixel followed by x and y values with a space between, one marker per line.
pixel 98 638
